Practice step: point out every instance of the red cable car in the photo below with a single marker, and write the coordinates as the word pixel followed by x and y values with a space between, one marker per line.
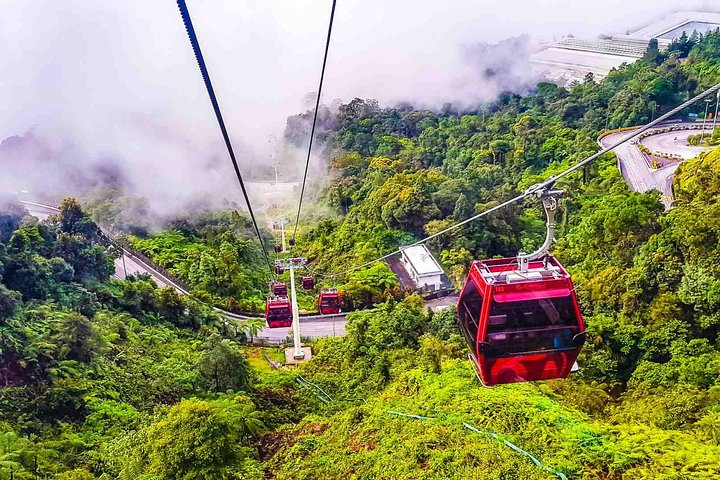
pixel 308 282
pixel 279 289
pixel 520 315
pixel 278 312
pixel 520 324
pixel 279 270
pixel 278 248
pixel 329 301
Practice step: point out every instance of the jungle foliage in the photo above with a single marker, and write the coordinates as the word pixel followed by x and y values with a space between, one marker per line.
pixel 102 377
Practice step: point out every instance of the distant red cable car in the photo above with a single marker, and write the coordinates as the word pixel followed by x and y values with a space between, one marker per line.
pixel 520 324
pixel 279 270
pixel 329 301
pixel 279 289
pixel 308 282
pixel 278 312
pixel 278 248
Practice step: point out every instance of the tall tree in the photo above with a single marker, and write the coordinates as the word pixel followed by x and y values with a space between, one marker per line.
pixel 223 366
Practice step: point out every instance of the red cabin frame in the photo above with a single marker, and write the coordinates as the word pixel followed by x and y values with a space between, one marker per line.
pixel 520 326
pixel 280 289
pixel 329 301
pixel 278 312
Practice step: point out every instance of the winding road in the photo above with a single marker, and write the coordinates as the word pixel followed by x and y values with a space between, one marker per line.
pixel 636 170
pixel 675 142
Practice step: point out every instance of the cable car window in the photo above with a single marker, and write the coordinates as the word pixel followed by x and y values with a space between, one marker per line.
pixel 532 325
pixel 469 313
pixel 279 313
pixel 330 302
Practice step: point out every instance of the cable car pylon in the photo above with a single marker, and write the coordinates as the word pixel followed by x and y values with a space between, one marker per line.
pixel 291 264
pixel 282 235
pixel 298 353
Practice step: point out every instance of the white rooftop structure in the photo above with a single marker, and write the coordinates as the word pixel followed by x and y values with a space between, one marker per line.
pixel 571 59
pixel 672 26
pixel 422 267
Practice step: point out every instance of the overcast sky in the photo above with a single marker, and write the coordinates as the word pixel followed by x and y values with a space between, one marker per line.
pixel 119 79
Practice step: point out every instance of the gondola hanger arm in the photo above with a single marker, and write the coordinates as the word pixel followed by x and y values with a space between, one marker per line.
pixel 549 201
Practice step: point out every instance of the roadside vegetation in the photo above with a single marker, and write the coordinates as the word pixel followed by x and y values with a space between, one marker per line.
pixel 215 255
pixel 707 140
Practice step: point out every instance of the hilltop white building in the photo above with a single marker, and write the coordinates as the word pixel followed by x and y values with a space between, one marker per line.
pixel 571 59
pixel 422 267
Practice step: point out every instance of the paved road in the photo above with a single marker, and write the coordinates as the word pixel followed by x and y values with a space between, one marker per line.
pixel 675 142
pixel 639 175
pixel 636 171
pixel 442 302
pixel 124 266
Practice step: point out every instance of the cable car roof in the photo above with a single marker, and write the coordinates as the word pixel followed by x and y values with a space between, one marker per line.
pixel 505 271
pixel 277 300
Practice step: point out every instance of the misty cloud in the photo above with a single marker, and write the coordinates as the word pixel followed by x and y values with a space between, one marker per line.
pixel 114 85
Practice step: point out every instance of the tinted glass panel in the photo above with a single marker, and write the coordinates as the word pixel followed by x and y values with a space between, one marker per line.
pixel 532 325
pixel 469 313
pixel 330 302
pixel 279 313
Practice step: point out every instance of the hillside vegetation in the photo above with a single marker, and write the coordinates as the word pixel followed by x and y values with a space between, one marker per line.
pixel 103 379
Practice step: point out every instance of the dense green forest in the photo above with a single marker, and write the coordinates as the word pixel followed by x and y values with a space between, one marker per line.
pixel 103 378
pixel 214 254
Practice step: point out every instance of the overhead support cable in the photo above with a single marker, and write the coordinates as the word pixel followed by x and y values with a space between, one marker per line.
pixel 550 181
pixel 315 115
pixel 216 107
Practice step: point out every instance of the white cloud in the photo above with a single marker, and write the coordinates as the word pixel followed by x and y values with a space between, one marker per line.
pixel 119 79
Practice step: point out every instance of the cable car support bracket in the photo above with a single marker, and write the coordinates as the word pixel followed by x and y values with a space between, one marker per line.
pixel 548 197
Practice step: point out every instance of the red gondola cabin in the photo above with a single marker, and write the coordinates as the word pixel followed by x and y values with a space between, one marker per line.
pixel 278 312
pixel 329 301
pixel 520 326
pixel 308 282
pixel 279 289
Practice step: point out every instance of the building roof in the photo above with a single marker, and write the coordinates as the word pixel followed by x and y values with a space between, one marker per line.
pixel 421 260
pixel 672 26
pixel 570 59
pixel 599 63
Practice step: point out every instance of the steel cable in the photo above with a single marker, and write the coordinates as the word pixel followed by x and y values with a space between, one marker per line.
pixel 315 115
pixel 185 14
